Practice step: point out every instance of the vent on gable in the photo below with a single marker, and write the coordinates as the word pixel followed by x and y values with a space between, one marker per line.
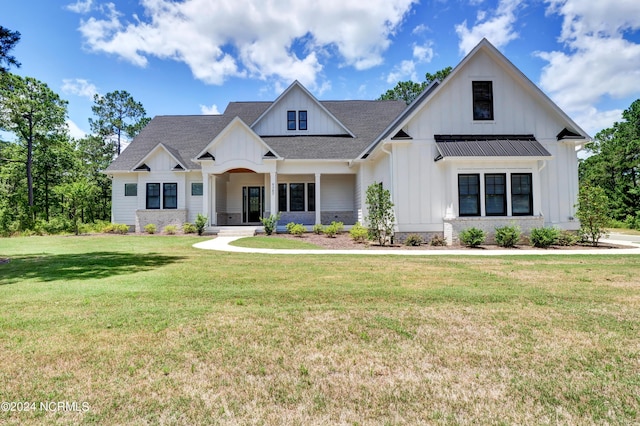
pixel 142 168
pixel 269 155
pixel 207 156
pixel 178 167
pixel 401 135
pixel 567 134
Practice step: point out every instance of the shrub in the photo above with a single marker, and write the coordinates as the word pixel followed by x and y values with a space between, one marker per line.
pixel 57 225
pixel 120 228
pixel 317 229
pixel 567 238
pixel 438 241
pixel 472 237
pixel 334 229
pixel 270 223
pixel 358 233
pixel 296 229
pixel 170 229
pixel 150 228
pixel 201 222
pixel 593 211
pixel 381 217
pixel 508 236
pixel 413 240
pixel 189 228
pixel 543 237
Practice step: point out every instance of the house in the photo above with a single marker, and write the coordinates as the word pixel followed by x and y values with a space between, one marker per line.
pixel 483 148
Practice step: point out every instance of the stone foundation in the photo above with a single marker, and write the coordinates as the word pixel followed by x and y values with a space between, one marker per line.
pixel 346 217
pixel 401 237
pixel 453 227
pixel 160 218
pixel 229 219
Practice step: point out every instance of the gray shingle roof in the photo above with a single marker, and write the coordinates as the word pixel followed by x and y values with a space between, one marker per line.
pixel 186 136
pixel 489 146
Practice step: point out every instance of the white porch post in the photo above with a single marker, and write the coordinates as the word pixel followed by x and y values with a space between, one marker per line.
pixel 205 196
pixel 213 219
pixel 318 206
pixel 274 193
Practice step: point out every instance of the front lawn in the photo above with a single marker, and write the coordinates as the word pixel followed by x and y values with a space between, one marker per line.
pixel 147 329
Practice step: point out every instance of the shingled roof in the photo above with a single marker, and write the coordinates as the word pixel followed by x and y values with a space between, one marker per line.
pixel 186 136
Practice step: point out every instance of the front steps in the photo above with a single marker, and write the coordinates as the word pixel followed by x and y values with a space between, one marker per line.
pixel 235 231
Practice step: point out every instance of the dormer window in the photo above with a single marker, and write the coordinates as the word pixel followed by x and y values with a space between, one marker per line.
pixel 299 123
pixel 291 120
pixel 483 100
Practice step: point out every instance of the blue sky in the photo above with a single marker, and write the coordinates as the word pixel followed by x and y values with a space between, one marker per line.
pixel 195 56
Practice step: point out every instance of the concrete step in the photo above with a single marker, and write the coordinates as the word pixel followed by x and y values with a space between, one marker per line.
pixel 237 231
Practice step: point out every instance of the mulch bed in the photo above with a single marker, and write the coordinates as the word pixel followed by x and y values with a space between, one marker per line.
pixel 344 242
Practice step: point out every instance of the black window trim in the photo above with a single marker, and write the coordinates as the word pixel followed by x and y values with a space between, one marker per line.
pixel 530 194
pixel 135 189
pixel 477 196
pixel 301 120
pixel 291 120
pixel 165 197
pixel 158 196
pixel 195 184
pixel 487 194
pixel 476 112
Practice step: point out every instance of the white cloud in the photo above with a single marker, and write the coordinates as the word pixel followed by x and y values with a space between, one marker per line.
pixel 75 131
pixel 80 6
pixel 597 61
pixel 78 87
pixel 209 110
pixel 269 40
pixel 497 27
pixel 407 68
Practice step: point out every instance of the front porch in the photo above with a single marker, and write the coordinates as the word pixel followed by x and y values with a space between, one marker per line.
pixel 240 197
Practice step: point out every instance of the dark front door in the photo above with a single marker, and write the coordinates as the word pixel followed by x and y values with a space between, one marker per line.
pixel 253 197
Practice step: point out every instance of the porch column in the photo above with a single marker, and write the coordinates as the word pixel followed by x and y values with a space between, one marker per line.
pixel 274 193
pixel 213 219
pixel 318 206
pixel 205 196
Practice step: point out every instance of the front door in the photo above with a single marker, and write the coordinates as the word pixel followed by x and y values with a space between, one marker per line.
pixel 253 200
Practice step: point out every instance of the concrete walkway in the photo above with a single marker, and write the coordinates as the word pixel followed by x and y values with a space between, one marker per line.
pixel 222 244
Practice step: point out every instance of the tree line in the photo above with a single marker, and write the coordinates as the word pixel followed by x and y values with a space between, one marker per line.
pixel 49 181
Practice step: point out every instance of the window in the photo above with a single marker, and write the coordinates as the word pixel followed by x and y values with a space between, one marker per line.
pixel 483 100
pixel 291 120
pixel 170 195
pixel 311 197
pixel 296 197
pixel 130 189
pixel 521 194
pixel 302 120
pixel 153 196
pixel 196 188
pixel 469 195
pixel 282 197
pixel 495 194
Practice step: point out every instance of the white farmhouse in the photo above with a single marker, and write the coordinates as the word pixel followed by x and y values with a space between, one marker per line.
pixel 485 148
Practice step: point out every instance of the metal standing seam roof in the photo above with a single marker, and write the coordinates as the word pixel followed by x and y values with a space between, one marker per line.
pixel 489 146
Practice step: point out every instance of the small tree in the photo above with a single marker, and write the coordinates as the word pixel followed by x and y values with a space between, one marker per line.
pixel 593 212
pixel 200 223
pixel 381 217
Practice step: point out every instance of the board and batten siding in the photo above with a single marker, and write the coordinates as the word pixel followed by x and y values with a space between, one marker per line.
pixel 516 109
pixel 194 202
pixel 274 123
pixel 123 209
pixel 337 192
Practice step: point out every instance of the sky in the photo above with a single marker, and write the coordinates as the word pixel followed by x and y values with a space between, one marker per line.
pixel 196 56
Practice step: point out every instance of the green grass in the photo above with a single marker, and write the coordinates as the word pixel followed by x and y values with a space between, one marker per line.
pixel 274 243
pixel 146 329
